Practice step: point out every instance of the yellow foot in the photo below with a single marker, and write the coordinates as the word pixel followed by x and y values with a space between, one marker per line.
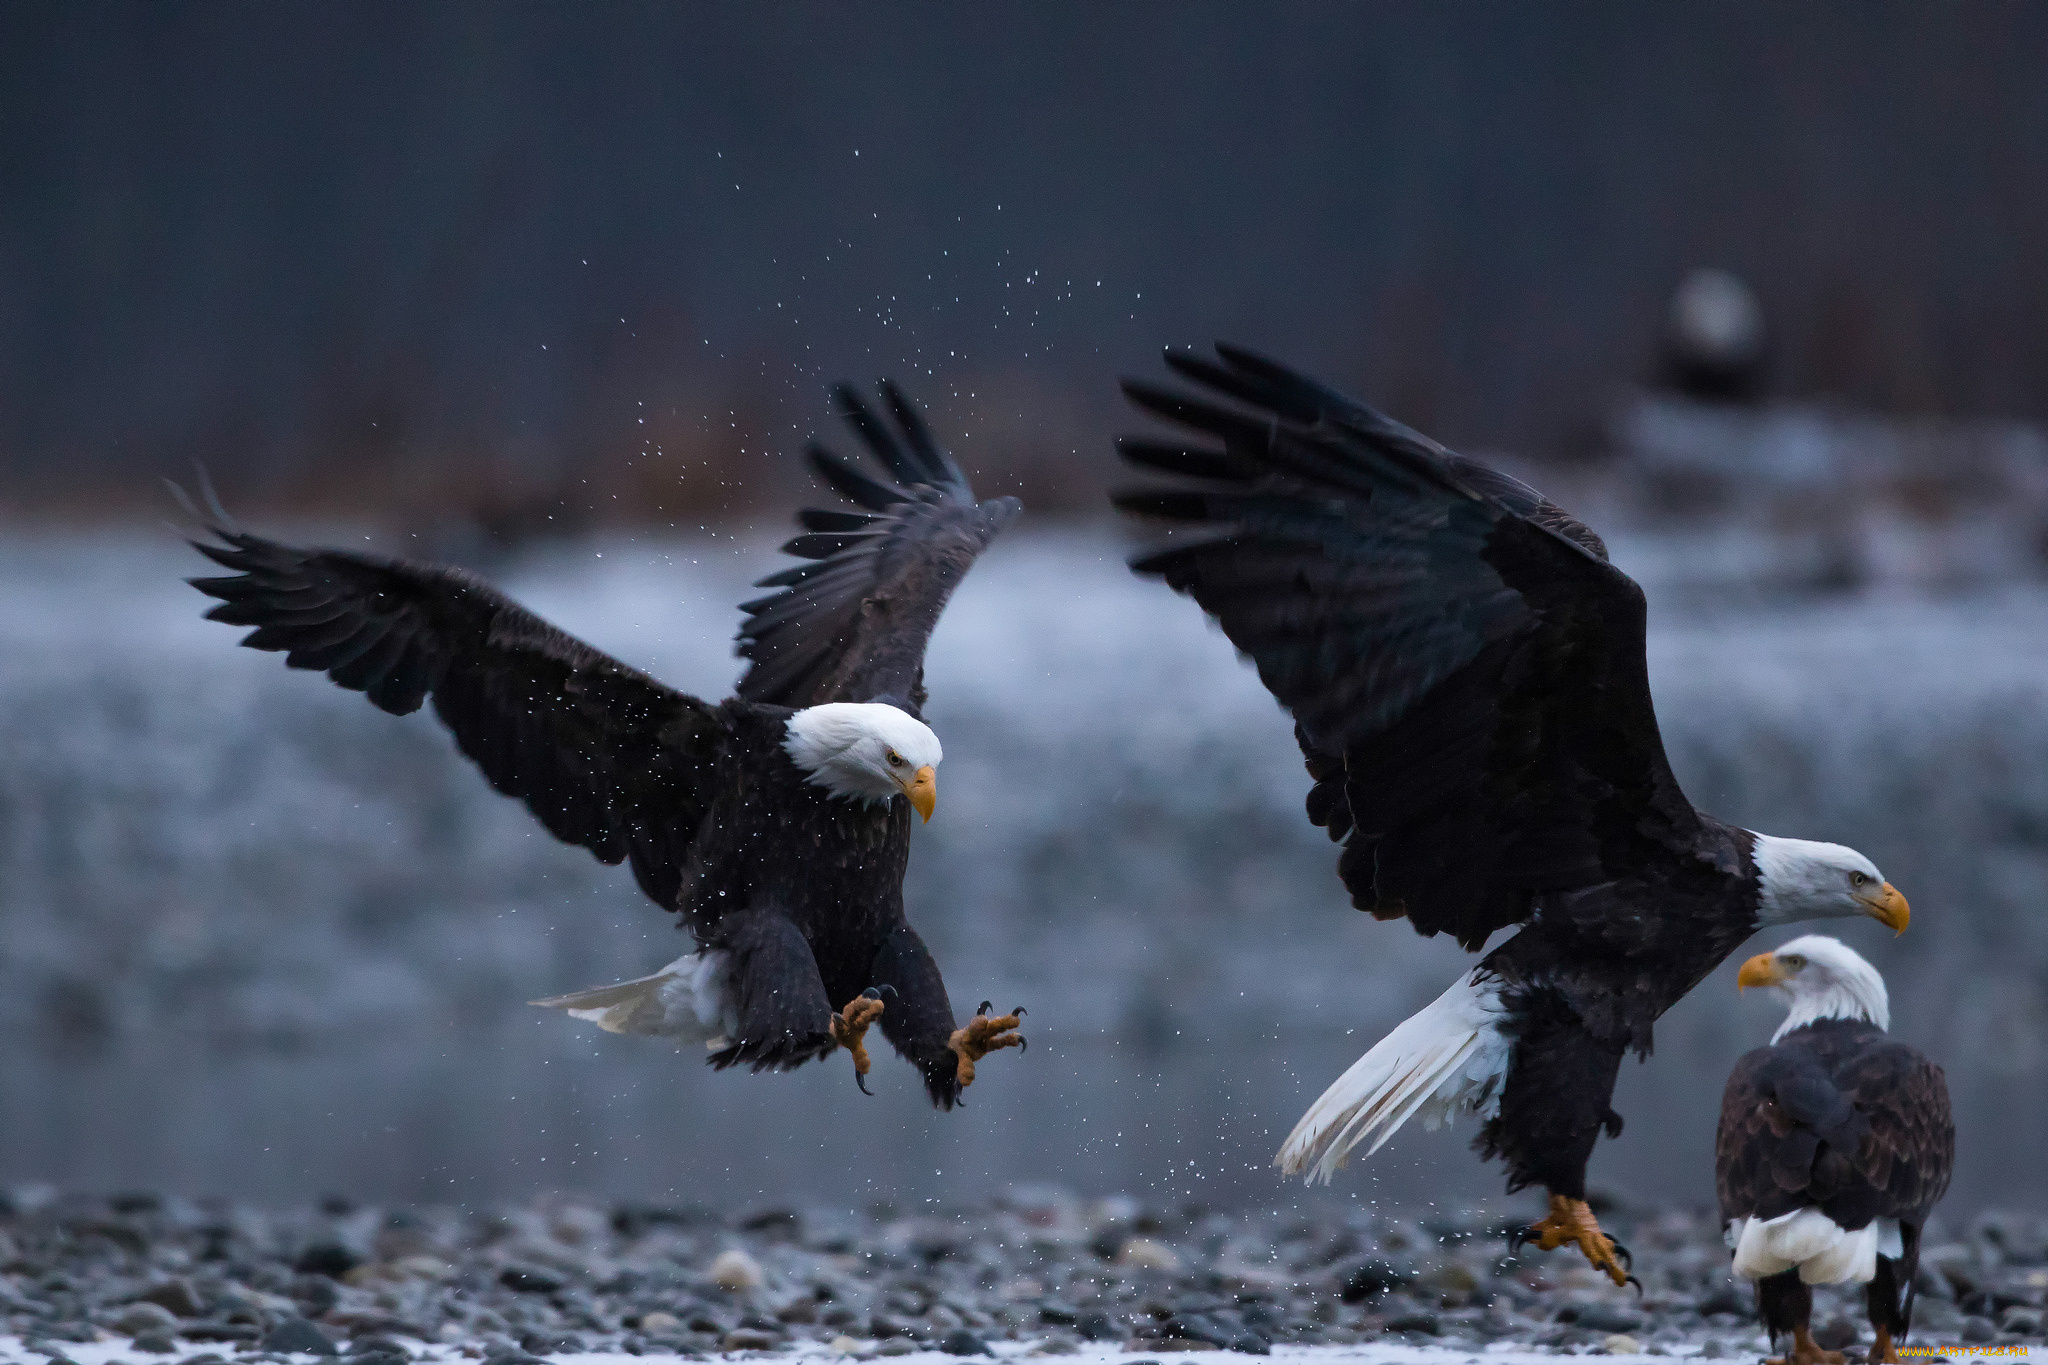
pixel 1883 1351
pixel 984 1033
pixel 1806 1352
pixel 850 1028
pixel 1570 1220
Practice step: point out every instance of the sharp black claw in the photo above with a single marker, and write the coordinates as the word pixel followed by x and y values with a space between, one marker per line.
pixel 1520 1237
pixel 862 1082
pixel 1020 1011
pixel 1628 1262
pixel 871 993
pixel 1023 1043
pixel 985 1008
pixel 1637 1283
pixel 888 991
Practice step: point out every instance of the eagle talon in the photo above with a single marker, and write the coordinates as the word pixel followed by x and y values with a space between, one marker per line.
pixel 983 1034
pixel 850 1027
pixel 1572 1221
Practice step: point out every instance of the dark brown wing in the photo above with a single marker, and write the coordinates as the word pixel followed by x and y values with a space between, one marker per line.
pixel 1838 1117
pixel 1911 1151
pixel 607 757
pixel 852 625
pixel 1465 667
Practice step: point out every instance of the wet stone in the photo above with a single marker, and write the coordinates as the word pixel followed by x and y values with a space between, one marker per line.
pixel 551 1343
pixel 298 1336
pixel 1424 1322
pixel 1600 1317
pixel 141 1319
pixel 331 1259
pixel 529 1280
pixel 314 1294
pixel 1095 1325
pixel 176 1296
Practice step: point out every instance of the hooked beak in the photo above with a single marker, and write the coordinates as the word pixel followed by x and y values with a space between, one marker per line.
pixel 1761 970
pixel 923 791
pixel 1888 908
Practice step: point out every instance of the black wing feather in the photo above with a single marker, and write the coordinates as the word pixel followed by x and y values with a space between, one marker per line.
pixel 1465 668
pixel 852 625
pixel 605 756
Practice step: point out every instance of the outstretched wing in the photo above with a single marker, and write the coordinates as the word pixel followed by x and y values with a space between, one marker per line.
pixel 607 757
pixel 1464 666
pixel 852 624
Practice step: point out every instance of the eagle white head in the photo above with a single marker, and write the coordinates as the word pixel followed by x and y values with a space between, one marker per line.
pixel 866 751
pixel 1799 879
pixel 1824 978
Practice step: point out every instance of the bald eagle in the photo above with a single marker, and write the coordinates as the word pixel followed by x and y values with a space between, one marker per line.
pixel 777 823
pixel 1835 1144
pixel 1466 673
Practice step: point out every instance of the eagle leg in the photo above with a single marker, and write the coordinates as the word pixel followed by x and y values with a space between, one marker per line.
pixel 1806 1351
pixel 984 1034
pixel 1883 1351
pixel 850 1028
pixel 1572 1220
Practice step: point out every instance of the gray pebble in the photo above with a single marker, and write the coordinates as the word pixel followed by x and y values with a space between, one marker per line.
pixel 140 1319
pixel 298 1336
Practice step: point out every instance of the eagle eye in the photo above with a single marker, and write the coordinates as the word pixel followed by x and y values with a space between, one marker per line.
pixel 1794 961
pixel 895 759
pixel 1858 878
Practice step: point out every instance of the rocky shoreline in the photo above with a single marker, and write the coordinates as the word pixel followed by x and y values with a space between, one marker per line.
pixel 140 1278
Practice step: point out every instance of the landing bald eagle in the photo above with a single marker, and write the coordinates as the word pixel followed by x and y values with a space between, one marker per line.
pixel 1835 1144
pixel 1466 674
pixel 777 823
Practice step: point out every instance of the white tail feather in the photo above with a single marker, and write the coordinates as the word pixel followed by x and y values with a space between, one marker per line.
pixel 686 1001
pixel 1447 1059
pixel 1823 1251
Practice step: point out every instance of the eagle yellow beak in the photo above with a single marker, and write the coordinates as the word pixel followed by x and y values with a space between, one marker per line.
pixel 1888 908
pixel 923 791
pixel 1761 970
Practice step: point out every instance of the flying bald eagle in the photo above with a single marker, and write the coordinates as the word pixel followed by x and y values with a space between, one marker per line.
pixel 776 823
pixel 1466 674
pixel 1835 1144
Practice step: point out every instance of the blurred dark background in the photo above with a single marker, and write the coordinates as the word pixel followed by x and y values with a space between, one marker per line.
pixel 1761 290
pixel 391 259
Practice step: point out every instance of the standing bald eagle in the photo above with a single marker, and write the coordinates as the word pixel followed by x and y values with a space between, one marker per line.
pixel 1466 674
pixel 777 823
pixel 1835 1144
